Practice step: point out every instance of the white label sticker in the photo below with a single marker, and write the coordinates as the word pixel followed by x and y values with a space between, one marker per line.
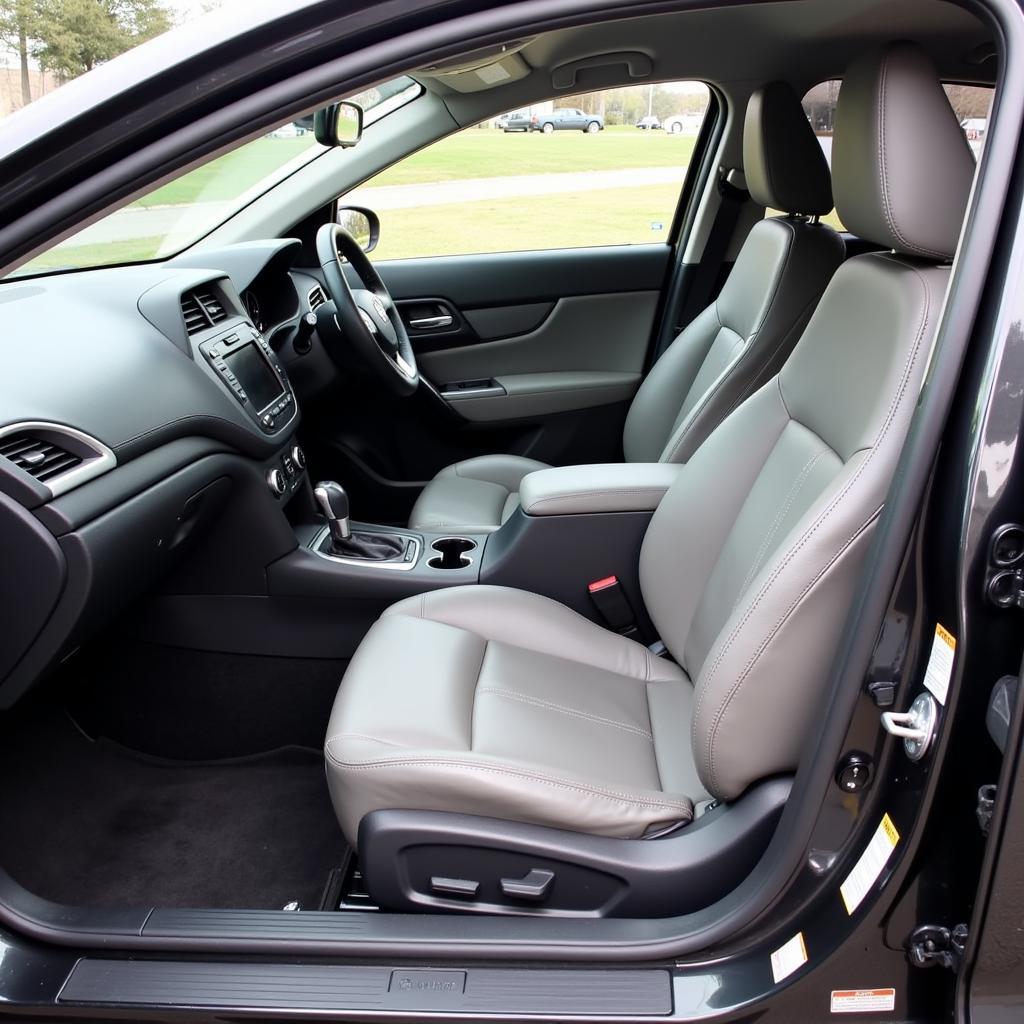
pixel 870 865
pixel 863 1000
pixel 940 664
pixel 789 957
pixel 491 73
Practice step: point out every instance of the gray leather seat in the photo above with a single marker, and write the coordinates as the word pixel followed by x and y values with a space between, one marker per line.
pixel 501 703
pixel 727 352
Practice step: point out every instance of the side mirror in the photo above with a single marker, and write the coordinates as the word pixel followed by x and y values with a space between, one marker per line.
pixel 340 124
pixel 362 224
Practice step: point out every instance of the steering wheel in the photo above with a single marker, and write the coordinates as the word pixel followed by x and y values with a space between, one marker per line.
pixel 366 316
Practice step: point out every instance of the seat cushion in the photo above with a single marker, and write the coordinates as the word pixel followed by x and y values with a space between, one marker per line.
pixel 497 702
pixel 476 495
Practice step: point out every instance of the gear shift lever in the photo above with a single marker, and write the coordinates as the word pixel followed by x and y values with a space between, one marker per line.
pixel 371 547
pixel 333 502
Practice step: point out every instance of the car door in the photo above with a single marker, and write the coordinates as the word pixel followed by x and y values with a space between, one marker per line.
pixel 530 288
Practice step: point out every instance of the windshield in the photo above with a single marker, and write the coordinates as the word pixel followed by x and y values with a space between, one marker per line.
pixel 174 216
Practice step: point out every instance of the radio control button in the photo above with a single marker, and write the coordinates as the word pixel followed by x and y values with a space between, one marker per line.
pixel 298 456
pixel 268 421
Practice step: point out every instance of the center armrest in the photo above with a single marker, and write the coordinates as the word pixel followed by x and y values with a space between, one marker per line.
pixel 607 487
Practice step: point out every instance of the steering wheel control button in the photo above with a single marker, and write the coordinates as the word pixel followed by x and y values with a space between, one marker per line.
pixel 854 773
pixel 276 482
pixel 534 887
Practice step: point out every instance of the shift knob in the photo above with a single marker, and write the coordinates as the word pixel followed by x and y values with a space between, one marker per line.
pixel 333 502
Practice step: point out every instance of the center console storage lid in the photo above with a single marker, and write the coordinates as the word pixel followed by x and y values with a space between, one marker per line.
pixel 607 487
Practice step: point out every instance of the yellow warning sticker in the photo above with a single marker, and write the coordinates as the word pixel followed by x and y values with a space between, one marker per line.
pixel 870 864
pixel 789 957
pixel 940 663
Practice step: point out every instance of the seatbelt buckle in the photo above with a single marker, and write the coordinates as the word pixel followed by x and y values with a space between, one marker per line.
pixel 610 600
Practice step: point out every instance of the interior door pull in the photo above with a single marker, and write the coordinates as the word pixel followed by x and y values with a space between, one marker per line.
pixel 423 323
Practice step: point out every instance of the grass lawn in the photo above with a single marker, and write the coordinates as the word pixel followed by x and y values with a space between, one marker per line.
pixel 487 153
pixel 598 217
pixel 229 175
pixel 94 254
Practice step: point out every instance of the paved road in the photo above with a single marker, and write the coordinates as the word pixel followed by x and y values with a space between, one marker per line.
pixel 143 222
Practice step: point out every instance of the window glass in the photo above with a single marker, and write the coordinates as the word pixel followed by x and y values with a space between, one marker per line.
pixel 173 216
pixel 971 104
pixel 584 172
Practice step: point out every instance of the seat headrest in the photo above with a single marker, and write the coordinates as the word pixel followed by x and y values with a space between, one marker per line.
pixel 901 165
pixel 782 159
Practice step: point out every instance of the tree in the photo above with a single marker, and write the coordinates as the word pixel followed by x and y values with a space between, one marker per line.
pixel 17 26
pixel 76 35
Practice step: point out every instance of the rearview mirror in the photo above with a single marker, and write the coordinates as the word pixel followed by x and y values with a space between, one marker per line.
pixel 340 124
pixel 362 224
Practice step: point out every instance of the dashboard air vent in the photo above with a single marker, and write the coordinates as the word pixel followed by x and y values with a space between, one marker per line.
pixel 214 309
pixel 42 459
pixel 58 456
pixel 194 314
pixel 316 297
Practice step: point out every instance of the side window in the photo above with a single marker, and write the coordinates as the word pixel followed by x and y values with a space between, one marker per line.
pixel 532 179
pixel 971 104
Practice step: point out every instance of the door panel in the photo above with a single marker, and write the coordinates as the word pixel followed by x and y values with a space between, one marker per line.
pixel 550 346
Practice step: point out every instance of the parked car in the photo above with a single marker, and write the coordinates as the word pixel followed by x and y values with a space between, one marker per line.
pixel 519 121
pixel 678 123
pixel 648 123
pixel 974 128
pixel 563 119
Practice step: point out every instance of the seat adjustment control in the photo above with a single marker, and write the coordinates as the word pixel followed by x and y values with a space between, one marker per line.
pixel 454 886
pixel 534 886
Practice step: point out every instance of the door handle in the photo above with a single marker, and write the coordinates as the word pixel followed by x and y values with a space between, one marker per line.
pixel 432 322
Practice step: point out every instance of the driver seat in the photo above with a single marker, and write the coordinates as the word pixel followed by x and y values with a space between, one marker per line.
pixel 500 703
pixel 727 352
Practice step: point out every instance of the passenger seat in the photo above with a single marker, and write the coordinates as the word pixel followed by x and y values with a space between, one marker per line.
pixel 728 351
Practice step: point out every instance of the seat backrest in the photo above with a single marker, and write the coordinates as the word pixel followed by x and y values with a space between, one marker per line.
pixel 750 562
pixel 742 339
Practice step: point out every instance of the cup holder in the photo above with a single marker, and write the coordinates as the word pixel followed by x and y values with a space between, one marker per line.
pixel 453 553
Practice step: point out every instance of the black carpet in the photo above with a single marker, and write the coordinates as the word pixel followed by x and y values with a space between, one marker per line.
pixel 91 824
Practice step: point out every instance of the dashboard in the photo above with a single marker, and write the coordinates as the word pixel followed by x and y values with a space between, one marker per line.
pixel 136 405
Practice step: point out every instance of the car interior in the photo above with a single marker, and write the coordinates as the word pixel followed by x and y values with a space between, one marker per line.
pixel 350 596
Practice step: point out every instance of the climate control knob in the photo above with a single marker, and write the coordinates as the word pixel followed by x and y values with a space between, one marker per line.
pixel 276 482
pixel 298 456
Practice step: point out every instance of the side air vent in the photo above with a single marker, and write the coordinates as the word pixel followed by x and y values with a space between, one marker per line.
pixel 214 309
pixel 316 297
pixel 57 456
pixel 37 457
pixel 194 314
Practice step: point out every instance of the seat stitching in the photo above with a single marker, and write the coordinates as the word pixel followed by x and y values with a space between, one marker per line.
pixel 883 169
pixel 526 698
pixel 365 736
pixel 615 491
pixel 837 499
pixel 766 641
pixel 783 511
pixel 685 807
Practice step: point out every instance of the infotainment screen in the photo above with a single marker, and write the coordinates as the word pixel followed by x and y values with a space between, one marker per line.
pixel 254 374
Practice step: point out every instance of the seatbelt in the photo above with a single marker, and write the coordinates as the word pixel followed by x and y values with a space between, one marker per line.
pixel 733 197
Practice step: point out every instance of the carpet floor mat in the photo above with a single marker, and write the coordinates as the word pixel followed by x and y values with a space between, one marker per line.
pixel 92 824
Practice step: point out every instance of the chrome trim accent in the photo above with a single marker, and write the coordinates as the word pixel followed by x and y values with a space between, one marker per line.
pixel 455 396
pixel 369 563
pixel 444 320
pixel 316 289
pixel 102 461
